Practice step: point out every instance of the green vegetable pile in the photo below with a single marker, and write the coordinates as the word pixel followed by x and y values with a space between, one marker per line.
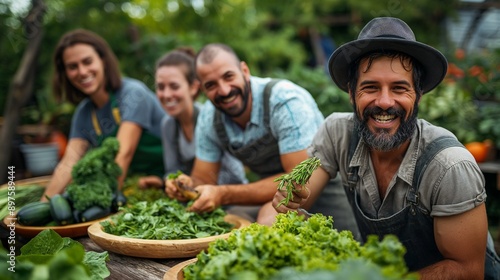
pixel 23 195
pixel 307 246
pixel 91 195
pixel 350 269
pixel 95 177
pixel 135 194
pixel 49 256
pixel 165 219
pixel 300 174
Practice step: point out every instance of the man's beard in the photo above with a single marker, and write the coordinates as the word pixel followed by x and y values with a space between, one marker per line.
pixel 235 112
pixel 382 140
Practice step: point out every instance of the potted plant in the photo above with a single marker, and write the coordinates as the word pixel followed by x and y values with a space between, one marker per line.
pixel 468 101
pixel 44 131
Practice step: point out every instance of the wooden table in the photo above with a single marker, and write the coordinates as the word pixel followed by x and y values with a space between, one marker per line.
pixel 124 267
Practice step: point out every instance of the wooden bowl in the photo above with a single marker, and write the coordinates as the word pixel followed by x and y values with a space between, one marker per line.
pixel 176 271
pixel 74 230
pixel 147 248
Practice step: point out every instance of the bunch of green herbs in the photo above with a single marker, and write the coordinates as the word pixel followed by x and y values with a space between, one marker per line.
pixel 49 256
pixel 300 175
pixel 261 252
pixel 165 219
pixel 22 195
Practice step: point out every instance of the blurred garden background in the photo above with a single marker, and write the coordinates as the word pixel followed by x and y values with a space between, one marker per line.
pixel 290 39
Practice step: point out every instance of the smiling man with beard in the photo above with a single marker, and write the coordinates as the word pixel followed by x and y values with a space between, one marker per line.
pixel 402 175
pixel 267 124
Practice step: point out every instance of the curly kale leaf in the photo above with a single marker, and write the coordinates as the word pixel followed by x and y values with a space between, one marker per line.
pixel 98 163
pixel 95 177
pixel 89 194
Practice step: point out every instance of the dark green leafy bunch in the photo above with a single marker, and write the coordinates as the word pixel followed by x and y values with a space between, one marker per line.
pixel 95 177
pixel 135 194
pixel 306 246
pixel 300 175
pixel 89 194
pixel 99 163
pixel 166 219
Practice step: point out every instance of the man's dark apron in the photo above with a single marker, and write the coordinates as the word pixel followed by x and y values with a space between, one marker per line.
pixel 148 156
pixel 412 225
pixel 262 157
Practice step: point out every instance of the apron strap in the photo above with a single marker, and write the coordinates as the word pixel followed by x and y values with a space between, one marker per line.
pixel 115 112
pixel 219 125
pixel 352 174
pixel 425 158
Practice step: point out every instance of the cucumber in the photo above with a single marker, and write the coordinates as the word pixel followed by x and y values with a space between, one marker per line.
pixel 34 214
pixel 119 200
pixel 61 210
pixel 93 213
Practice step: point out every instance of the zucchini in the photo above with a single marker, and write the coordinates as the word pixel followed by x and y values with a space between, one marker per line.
pixel 93 213
pixel 66 195
pixel 77 216
pixel 119 200
pixel 61 210
pixel 34 214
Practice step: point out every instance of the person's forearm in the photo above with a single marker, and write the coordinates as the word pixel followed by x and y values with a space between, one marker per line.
pixel 124 162
pixel 60 179
pixel 255 193
pixel 452 270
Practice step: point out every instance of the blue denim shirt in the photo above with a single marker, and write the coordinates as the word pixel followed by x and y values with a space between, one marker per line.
pixel 294 115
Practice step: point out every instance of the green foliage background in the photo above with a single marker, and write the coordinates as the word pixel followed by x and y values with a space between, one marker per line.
pixel 271 36
pixel 266 34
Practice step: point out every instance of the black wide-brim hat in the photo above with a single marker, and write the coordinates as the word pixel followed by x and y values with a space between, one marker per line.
pixel 388 34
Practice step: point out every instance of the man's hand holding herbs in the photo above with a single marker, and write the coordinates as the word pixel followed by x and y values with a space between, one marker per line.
pixel 292 190
pixel 298 197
